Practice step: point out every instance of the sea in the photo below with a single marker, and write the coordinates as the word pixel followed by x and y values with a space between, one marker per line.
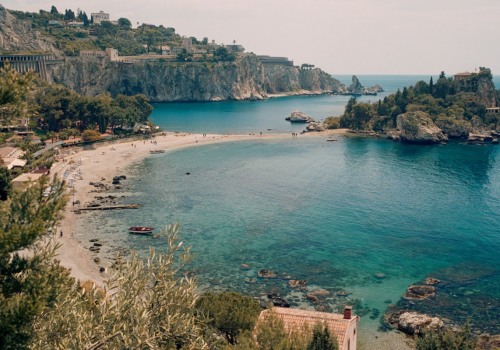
pixel 361 218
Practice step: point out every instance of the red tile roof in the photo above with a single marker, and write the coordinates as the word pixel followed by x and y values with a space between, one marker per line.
pixel 296 318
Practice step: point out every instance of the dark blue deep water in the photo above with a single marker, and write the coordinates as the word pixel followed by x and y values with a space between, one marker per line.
pixel 361 215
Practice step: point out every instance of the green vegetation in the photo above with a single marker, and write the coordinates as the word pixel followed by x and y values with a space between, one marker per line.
pixel 61 109
pixel 322 340
pixel 271 335
pixel 454 105
pixel 29 283
pixel 229 312
pixel 146 304
pixel 447 339
pixel 14 94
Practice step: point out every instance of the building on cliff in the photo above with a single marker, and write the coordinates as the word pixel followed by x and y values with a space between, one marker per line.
pixel 110 54
pixel 99 17
pixel 24 63
pixel 284 61
pixel 343 327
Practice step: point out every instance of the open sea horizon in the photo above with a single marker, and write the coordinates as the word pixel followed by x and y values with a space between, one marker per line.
pixel 361 218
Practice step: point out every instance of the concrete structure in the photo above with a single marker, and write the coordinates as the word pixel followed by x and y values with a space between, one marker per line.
pixel 110 54
pixel 187 43
pixel 165 49
pixel 11 157
pixel 25 63
pixel 99 17
pixel 235 48
pixel 284 61
pixel 344 327
pixel 493 110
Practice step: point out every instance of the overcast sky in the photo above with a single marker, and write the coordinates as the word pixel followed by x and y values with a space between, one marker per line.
pixel 340 36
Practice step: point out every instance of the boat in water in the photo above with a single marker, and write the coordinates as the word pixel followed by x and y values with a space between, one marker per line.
pixel 157 151
pixel 141 230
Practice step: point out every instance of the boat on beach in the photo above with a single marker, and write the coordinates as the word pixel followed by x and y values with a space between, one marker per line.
pixel 153 151
pixel 141 230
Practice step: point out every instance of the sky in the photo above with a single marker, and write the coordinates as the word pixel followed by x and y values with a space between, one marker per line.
pixel 339 36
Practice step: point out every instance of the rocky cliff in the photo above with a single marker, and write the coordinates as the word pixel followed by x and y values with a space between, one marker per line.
pixel 244 79
pixel 18 36
pixel 164 81
pixel 280 79
pixel 417 127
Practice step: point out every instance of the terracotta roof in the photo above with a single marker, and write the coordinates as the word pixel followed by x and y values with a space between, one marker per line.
pixel 296 318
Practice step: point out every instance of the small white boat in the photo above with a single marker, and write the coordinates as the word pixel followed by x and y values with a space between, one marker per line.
pixel 141 230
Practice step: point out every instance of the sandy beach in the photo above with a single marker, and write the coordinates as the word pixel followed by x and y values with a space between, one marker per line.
pixel 110 159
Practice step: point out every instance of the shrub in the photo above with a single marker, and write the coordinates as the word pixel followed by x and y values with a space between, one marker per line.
pixel 229 312
pixel 90 135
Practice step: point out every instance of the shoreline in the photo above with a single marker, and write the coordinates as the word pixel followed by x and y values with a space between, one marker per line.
pixel 111 159
pixel 106 161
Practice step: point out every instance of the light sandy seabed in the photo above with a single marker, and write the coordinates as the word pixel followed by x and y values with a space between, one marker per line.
pixel 111 159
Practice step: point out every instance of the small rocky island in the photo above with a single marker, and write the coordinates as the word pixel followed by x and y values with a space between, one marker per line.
pixel 463 107
pixel 299 117
pixel 357 89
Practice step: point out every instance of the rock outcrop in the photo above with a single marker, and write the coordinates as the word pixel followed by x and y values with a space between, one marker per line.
pixel 18 36
pixel 299 117
pixel 280 79
pixel 418 127
pixel 454 128
pixel 414 323
pixel 356 88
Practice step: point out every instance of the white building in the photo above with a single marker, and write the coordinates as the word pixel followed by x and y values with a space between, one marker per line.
pixel 100 16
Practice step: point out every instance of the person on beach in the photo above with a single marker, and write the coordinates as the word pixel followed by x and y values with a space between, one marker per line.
pixel 61 233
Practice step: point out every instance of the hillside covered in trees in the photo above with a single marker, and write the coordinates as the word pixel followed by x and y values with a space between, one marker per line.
pixel 459 106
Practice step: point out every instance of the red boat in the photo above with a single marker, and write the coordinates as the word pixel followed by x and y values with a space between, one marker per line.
pixel 141 229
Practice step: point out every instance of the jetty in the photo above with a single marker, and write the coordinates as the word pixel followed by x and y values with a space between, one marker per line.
pixel 113 207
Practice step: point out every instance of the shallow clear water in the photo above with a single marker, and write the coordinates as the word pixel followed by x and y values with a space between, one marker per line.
pixel 334 213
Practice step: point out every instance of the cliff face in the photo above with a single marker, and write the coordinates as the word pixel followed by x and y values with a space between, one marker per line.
pixel 244 79
pixel 162 82
pixel 17 36
pixel 284 79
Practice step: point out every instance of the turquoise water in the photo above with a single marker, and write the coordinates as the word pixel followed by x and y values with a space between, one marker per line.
pixel 334 213
pixel 243 117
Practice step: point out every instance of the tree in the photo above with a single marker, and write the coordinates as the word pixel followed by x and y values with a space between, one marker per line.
pixel 15 91
pixel 29 283
pixel 222 54
pixel 5 185
pixel 82 16
pixel 229 312
pixel 53 10
pixel 184 56
pixel 146 305
pixel 445 338
pixel 90 135
pixel 124 23
pixel 322 340
pixel 271 334
pixel 69 15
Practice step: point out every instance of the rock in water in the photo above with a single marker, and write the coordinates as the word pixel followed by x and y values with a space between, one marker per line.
pixel 299 117
pixel 413 322
pixel 265 273
pixel 418 127
pixel 355 88
pixel 419 292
